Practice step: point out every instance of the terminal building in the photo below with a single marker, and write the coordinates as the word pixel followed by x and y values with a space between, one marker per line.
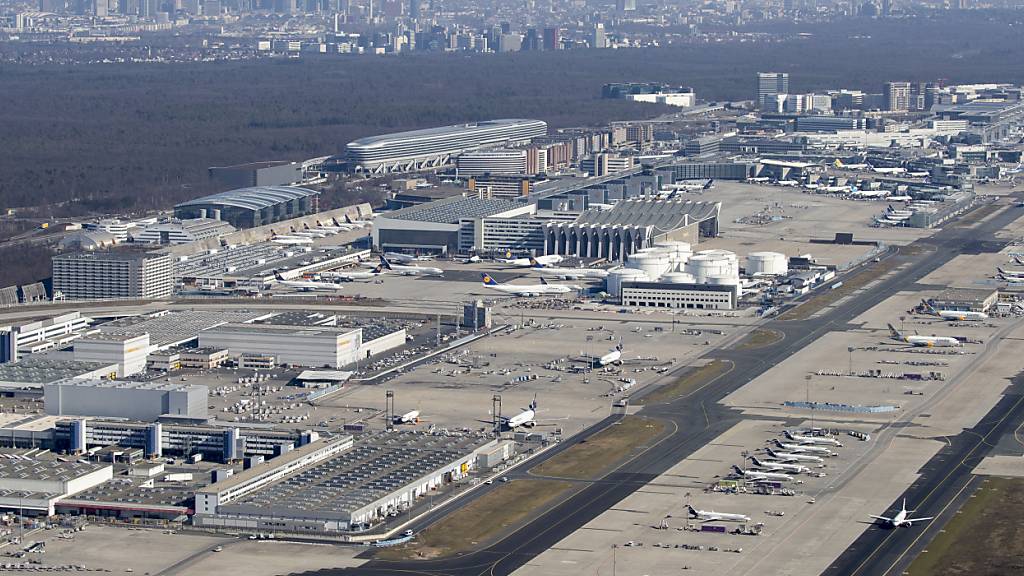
pixel 436 147
pixel 112 274
pixel 252 207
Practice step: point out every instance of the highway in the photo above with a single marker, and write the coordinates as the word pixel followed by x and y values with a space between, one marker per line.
pixel 698 418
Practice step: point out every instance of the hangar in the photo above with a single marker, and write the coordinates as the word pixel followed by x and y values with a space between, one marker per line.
pixel 252 207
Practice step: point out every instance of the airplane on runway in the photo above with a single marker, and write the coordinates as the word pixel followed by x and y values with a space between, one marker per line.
pixel 712 516
pixel 410 270
pixel 902 518
pixel 527 289
pixel 954 315
pixel 794 457
pixel 353 276
pixel 406 258
pixel 928 341
pixel 306 285
pixel 762 476
pixel 805 449
pixel 812 439
pixel 773 466
pixel 525 262
pixel 567 273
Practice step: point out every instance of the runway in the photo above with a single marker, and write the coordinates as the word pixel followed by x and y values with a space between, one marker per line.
pixel 698 417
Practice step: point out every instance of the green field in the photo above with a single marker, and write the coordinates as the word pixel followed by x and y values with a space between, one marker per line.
pixel 590 458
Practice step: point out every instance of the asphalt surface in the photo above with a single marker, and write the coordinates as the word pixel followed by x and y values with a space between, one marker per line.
pixel 697 418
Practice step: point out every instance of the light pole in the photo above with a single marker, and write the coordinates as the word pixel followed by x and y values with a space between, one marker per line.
pixel 850 350
pixel 808 379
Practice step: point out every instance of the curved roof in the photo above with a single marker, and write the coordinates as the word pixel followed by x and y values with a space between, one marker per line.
pixel 255 198
pixel 443 131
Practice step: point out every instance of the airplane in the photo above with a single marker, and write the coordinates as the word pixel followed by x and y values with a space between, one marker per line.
pixel 803 448
pixel 353 276
pixel 820 440
pixel 890 222
pixel 929 341
pixel 412 417
pixel 411 270
pixel 712 516
pixel 526 289
pixel 839 164
pixel 406 258
pixel 896 213
pixel 525 262
pixel 787 183
pixel 568 273
pixel 954 315
pixel 889 170
pixel 901 198
pixel 470 260
pixel 291 240
pixel 1011 275
pixel 614 357
pixel 306 285
pixel 1018 260
pixel 762 476
pixel 526 418
pixel 794 457
pixel 918 174
pixel 773 466
pixel 901 518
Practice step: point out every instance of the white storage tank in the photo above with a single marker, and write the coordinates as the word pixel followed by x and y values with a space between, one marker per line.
pixel 678 252
pixel 654 264
pixel 613 283
pixel 678 278
pixel 767 263
pixel 705 265
pixel 726 281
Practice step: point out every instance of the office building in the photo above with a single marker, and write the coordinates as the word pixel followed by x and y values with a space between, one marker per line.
pixel 598 39
pixel 256 174
pixel 436 147
pixel 897 96
pixel 112 274
pixel 552 38
pixel 493 161
pixel 18 340
pixel 501 186
pixel 770 85
pixel 605 164
pixel 144 401
pixel 677 99
pixel 117 227
pixel 685 296
pixel 252 207
pixel 829 123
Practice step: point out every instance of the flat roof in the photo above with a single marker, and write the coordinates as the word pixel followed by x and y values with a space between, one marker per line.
pixel 451 210
pixel 252 198
pixel 965 294
pixel 285 329
pixel 35 369
pixel 273 463
pixel 175 327
pixel 324 375
pixel 114 255
pixel 132 385
pixel 664 215
pixel 454 129
pixel 47 470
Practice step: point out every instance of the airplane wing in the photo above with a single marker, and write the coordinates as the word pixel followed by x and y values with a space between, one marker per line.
pixel 920 519
pixel 880 518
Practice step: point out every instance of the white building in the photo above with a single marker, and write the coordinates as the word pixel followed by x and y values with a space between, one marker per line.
pixel 177 231
pixel 112 274
pixel 678 99
pixel 41 335
pixel 144 401
pixel 680 296
pixel 37 485
pixel 298 345
pixel 496 161
pixel 129 352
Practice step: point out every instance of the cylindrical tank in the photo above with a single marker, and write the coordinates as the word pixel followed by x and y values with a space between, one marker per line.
pixel 619 275
pixel 770 263
pixel 678 278
pixel 678 252
pixel 654 264
pixel 726 280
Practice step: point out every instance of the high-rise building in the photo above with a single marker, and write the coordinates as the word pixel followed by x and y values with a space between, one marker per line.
pixel 770 85
pixel 897 96
pixel 625 5
pixel 114 274
pixel 552 39
pixel 598 38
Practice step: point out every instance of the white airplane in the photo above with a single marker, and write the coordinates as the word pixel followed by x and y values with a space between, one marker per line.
pixel 787 183
pixel 819 440
pixel 954 315
pixel 901 198
pixel 568 273
pixel 291 240
pixel 889 170
pixel 928 341
pixel 898 214
pixel 762 476
pixel 353 276
pixel 306 285
pixel 406 258
pixel 712 516
pixel 794 457
pixel 408 418
pixel 470 259
pixel 902 518
pixel 526 289
pixel 1011 275
pixel 806 449
pixel 525 262
pixel 890 222
pixel 773 466
pixel 614 357
pixel 918 174
pixel 411 270
pixel 526 418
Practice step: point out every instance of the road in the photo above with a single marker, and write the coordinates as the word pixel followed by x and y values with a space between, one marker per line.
pixel 698 417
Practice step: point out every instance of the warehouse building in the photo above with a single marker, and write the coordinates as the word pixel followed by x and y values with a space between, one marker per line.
pixel 41 335
pixel 112 274
pixel 30 486
pixel 272 173
pixel 146 401
pixel 382 474
pixel 436 147
pixel 28 376
pixel 966 299
pixel 252 207
pixel 128 352
pixel 175 231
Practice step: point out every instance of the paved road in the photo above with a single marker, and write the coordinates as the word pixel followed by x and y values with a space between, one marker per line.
pixel 698 418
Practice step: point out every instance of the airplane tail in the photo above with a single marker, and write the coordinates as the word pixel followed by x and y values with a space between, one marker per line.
pixel 778 444
pixel 543 281
pixel 771 453
pixel 927 307
pixel 788 434
pixel 755 461
pixel 379 269
pixel 895 333
pixel 278 277
pixel 738 470
pixel 533 405
pixel 487 280
pixel 1018 260
pixel 693 513
pixel 534 263
pixel 384 262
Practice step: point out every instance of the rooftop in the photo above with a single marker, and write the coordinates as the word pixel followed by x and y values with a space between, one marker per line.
pixel 456 129
pixel 663 215
pixel 122 385
pixel 254 198
pixel 451 210
pixel 47 470
pixel 115 255
pixel 169 328
pixel 41 370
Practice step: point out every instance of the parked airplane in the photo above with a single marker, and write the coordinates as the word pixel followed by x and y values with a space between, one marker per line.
pixel 889 170
pixel 410 270
pixel 470 259
pixel 805 449
pixel 918 340
pixel 568 273
pixel 762 476
pixel 794 457
pixel 526 289
pixel 898 214
pixel 901 198
pixel 291 240
pixel 787 183
pixel 613 357
pixel 773 466
pixel 820 440
pixel 712 516
pixel 1011 275
pixel 307 285
pixel 954 315
pixel 406 258
pixel 412 417
pixel 525 262
pixel 353 276
pixel 839 164
pixel 902 518
pixel 526 418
